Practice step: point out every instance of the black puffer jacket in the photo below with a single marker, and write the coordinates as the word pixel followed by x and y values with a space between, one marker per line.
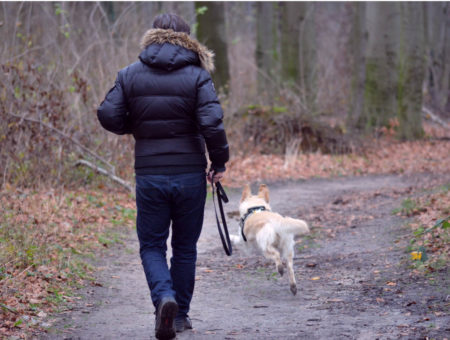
pixel 168 102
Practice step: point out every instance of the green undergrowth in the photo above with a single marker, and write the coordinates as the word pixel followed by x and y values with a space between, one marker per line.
pixel 429 222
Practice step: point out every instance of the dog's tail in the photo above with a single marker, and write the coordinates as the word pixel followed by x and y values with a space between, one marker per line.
pixel 294 226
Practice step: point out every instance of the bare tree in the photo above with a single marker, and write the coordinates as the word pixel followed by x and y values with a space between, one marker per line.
pixel 268 47
pixel 437 25
pixel 242 37
pixel 394 68
pixel 357 46
pixel 383 27
pixel 411 70
pixel 298 50
pixel 211 30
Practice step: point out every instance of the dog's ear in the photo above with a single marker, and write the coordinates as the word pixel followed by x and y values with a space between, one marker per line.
pixel 246 193
pixel 264 192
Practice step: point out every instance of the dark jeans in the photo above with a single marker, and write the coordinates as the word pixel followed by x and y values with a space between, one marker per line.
pixel 160 200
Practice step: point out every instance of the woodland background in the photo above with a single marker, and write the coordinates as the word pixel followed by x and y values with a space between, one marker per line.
pixel 292 77
pixel 308 90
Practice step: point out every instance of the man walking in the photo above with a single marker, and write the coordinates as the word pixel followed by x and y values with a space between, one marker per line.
pixel 168 102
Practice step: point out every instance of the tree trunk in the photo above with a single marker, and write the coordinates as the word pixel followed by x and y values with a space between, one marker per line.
pixel 108 7
pixel 394 69
pixel 267 47
pixel 357 47
pixel 298 47
pixel 411 71
pixel 292 14
pixel 380 86
pixel 437 25
pixel 308 54
pixel 211 31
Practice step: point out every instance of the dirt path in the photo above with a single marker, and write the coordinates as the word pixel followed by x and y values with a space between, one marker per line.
pixel 352 280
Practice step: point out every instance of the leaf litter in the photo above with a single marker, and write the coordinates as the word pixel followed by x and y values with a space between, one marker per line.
pixel 48 236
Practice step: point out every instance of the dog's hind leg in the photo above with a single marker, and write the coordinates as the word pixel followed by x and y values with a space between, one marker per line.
pixel 265 240
pixel 290 267
pixel 272 253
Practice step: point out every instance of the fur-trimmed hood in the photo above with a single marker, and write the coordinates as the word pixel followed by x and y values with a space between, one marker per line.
pixel 159 36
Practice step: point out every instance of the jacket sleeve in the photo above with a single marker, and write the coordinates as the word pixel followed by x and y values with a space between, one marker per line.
pixel 113 111
pixel 209 116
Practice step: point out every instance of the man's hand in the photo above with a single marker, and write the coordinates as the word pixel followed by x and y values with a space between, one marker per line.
pixel 215 176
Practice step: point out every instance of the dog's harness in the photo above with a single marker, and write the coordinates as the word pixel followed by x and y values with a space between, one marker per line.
pixel 247 214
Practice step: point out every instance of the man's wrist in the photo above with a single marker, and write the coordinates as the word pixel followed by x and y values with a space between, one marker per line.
pixel 218 168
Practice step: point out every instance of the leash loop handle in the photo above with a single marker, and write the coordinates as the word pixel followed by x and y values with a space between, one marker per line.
pixel 221 192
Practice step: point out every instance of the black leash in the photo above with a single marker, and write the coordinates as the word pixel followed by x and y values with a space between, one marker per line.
pixel 222 197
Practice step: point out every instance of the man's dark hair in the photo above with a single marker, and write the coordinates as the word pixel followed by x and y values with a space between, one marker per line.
pixel 171 21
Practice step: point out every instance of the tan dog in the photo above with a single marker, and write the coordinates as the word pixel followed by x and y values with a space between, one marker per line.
pixel 270 232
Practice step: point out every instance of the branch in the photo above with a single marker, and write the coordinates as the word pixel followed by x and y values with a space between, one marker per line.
pixel 64 135
pixel 106 173
pixel 430 115
pixel 7 308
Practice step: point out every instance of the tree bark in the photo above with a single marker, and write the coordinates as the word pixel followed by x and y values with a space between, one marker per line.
pixel 437 26
pixel 267 47
pixel 394 69
pixel 292 14
pixel 110 10
pixel 358 48
pixel 380 86
pixel 298 48
pixel 211 31
pixel 411 71
pixel 308 54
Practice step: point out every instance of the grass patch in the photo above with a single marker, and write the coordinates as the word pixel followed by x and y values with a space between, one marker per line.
pixel 407 208
pixel 429 246
pixel 47 243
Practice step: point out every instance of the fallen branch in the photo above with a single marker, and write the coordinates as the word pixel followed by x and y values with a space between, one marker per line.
pixel 430 115
pixel 64 135
pixel 7 308
pixel 106 173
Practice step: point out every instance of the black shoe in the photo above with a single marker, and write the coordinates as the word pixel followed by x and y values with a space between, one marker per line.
pixel 165 315
pixel 182 324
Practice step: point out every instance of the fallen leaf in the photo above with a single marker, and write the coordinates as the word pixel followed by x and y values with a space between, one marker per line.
pixel 315 278
pixel 416 255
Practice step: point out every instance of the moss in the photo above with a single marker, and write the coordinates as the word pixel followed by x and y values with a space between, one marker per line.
pixel 367 120
pixel 409 99
pixel 379 99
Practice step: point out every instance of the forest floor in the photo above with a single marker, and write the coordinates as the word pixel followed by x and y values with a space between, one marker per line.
pixel 355 279
pixel 374 266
